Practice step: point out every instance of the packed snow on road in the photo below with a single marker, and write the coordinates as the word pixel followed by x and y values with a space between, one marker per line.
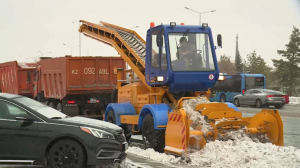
pixel 239 151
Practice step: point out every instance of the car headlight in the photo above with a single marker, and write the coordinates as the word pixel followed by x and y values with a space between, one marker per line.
pixel 98 133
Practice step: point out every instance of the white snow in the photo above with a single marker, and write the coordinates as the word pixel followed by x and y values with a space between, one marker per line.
pixel 151 154
pixel 238 151
pixel 294 100
pixel 242 153
pixel 198 120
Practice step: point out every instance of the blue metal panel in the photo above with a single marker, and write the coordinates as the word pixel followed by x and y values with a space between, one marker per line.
pixel 232 106
pixel 120 109
pixel 229 96
pixel 159 113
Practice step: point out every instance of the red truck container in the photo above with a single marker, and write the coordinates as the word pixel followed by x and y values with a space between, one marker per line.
pixel 77 85
pixel 17 78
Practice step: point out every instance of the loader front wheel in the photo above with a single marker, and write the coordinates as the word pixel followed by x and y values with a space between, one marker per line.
pixel 152 138
pixel 111 117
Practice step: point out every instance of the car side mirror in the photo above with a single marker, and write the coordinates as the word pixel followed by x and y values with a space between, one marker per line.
pixel 219 40
pixel 24 119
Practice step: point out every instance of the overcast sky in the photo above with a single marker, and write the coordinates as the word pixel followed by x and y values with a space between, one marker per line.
pixel 29 26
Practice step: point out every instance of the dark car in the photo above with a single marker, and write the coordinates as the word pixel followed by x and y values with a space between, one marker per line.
pixel 260 98
pixel 33 133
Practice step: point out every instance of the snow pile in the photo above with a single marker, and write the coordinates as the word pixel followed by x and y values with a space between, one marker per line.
pixel 198 120
pixel 232 153
pixel 294 100
pixel 151 154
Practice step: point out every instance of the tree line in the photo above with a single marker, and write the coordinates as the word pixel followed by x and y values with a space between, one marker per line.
pixel 285 75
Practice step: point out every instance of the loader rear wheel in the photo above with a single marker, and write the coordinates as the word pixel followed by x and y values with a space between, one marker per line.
pixel 152 138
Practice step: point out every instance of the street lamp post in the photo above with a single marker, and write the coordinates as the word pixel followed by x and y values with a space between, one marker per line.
pixel 70 47
pixel 199 13
pixel 79 38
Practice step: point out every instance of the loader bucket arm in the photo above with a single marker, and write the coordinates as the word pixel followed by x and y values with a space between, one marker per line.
pixel 128 44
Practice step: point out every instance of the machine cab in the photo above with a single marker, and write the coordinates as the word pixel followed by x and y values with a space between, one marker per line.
pixel 181 57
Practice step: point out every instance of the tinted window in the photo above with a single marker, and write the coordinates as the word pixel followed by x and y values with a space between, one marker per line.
pixel 254 83
pixel 40 108
pixel 271 92
pixel 237 83
pixel 248 92
pixel 254 92
pixel 10 111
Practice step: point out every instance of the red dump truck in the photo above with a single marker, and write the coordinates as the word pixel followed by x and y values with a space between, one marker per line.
pixel 17 78
pixel 77 85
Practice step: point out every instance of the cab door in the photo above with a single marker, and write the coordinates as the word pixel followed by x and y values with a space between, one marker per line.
pixel 156 59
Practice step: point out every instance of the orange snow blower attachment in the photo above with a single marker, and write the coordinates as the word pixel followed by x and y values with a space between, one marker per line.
pixel 215 121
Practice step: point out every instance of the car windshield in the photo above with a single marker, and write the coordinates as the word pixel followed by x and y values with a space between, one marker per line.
pixel 40 108
pixel 190 52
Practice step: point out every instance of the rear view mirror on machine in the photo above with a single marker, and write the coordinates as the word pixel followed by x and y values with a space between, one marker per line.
pixel 159 40
pixel 219 40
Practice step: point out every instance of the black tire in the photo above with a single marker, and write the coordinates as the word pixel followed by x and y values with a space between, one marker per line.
pixel 59 107
pixel 278 106
pixel 66 153
pixel 222 98
pixel 258 103
pixel 236 102
pixel 152 138
pixel 112 119
pixel 52 104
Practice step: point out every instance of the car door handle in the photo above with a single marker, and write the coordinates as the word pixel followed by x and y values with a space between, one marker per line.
pixel 152 73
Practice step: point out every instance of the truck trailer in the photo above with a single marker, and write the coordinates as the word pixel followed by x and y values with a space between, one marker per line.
pixel 77 85
pixel 17 78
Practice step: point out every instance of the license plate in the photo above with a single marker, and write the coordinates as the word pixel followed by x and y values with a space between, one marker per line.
pixel 93 100
pixel 278 102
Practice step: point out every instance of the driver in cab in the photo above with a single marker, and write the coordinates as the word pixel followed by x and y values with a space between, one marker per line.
pixel 185 48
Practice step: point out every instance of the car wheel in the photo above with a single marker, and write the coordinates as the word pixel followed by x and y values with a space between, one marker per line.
pixel 278 106
pixel 152 138
pixel 223 98
pixel 258 103
pixel 66 153
pixel 236 102
pixel 59 107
